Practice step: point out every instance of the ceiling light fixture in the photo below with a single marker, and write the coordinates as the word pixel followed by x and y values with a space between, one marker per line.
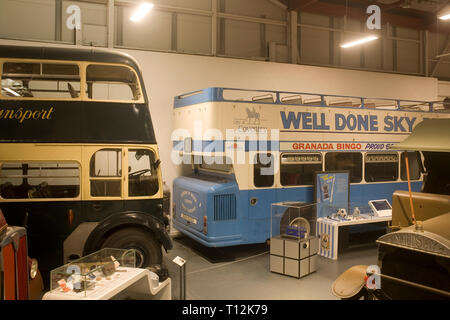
pixel 141 11
pixel 445 17
pixel 444 13
pixel 357 42
pixel 443 55
pixel 11 92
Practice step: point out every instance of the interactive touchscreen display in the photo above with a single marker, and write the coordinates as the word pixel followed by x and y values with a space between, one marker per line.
pixel 381 205
pixel 381 208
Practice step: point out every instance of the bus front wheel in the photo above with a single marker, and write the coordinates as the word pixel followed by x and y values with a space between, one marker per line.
pixel 148 249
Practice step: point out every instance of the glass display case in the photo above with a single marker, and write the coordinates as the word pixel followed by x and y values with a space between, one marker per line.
pixel 293 240
pixel 84 275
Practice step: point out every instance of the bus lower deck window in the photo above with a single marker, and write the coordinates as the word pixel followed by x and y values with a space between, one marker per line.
pixel 263 170
pixel 381 167
pixel 414 161
pixel 352 161
pixel 298 169
pixel 34 180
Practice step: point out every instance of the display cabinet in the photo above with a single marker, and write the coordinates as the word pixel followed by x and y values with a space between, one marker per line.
pixel 83 276
pixel 333 227
pixel 293 242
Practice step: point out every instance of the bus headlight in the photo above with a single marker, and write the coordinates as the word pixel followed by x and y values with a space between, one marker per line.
pixel 33 267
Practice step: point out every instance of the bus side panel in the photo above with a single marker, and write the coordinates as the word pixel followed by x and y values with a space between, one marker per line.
pixel 50 121
pixel 258 223
pixel 67 121
pixel 361 193
pixel 47 227
pixel 220 201
pixel 302 194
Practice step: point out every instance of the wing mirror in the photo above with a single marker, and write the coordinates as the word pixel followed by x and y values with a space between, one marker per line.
pixel 156 164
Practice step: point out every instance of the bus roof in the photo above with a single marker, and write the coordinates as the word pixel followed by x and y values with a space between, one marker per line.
pixel 71 54
pixel 74 121
pixel 218 94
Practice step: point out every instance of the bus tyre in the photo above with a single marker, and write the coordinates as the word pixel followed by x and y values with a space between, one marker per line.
pixel 148 249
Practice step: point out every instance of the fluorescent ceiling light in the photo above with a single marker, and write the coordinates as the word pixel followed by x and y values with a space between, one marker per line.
pixel 442 55
pixel 360 41
pixel 11 92
pixel 445 17
pixel 141 11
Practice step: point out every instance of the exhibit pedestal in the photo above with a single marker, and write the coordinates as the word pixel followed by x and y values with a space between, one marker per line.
pixel 125 284
pixel 293 257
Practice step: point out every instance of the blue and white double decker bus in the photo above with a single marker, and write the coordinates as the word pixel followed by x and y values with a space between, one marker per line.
pixel 242 150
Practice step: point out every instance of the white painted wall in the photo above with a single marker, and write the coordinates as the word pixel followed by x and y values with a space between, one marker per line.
pixel 167 75
pixel 35 19
pixel 443 89
pixel 32 19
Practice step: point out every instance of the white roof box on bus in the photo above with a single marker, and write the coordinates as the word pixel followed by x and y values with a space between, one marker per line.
pixel 414 105
pixel 292 99
pixel 249 95
pixel 340 102
pixel 380 104
pixel 264 98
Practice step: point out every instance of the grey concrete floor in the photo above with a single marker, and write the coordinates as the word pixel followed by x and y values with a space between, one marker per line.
pixel 247 277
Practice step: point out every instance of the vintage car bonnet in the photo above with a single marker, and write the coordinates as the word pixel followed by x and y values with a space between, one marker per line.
pixel 433 239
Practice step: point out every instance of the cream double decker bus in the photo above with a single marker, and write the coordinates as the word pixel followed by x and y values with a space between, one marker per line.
pixel 243 150
pixel 79 162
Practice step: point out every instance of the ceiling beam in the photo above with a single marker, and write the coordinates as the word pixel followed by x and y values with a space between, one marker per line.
pixel 442 6
pixel 304 4
pixel 441 57
pixel 278 4
pixel 419 20
pixel 386 7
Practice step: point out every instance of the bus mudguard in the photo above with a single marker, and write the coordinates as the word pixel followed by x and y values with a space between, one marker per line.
pixel 122 220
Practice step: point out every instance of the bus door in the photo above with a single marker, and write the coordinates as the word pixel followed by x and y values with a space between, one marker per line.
pixel 262 195
pixel 116 174
pixel 103 179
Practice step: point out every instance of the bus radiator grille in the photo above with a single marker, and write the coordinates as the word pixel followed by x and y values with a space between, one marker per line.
pixel 224 207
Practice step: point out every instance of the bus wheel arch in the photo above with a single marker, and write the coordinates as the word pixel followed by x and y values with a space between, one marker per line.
pixel 141 230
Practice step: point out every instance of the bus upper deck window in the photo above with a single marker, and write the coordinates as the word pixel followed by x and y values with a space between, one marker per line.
pixel 351 161
pixel 106 82
pixel 263 170
pixel 40 80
